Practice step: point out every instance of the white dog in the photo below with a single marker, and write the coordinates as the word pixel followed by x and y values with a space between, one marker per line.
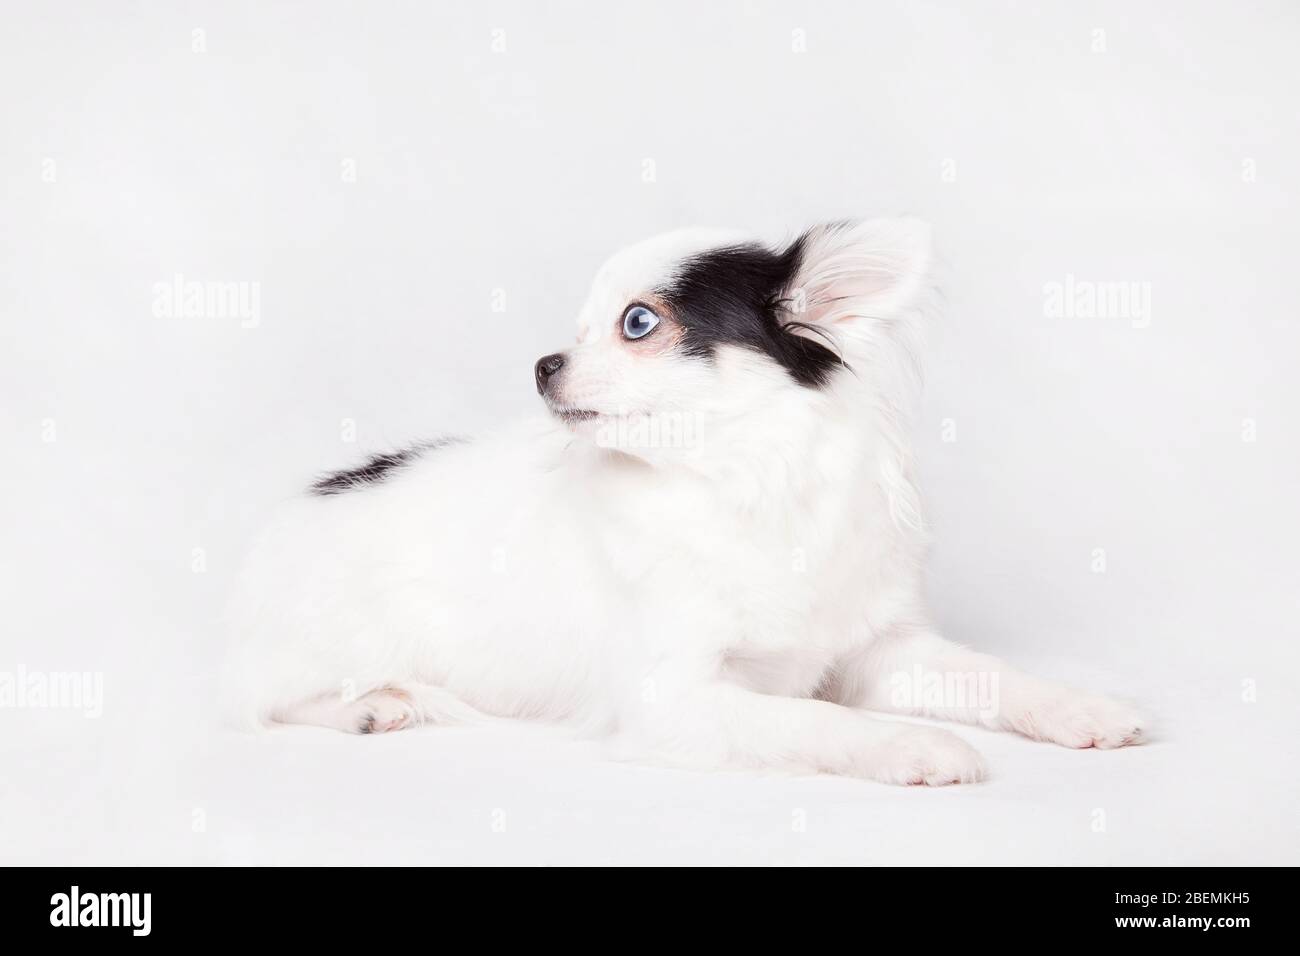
pixel 710 549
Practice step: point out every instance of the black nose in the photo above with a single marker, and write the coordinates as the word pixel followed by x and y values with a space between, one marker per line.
pixel 546 367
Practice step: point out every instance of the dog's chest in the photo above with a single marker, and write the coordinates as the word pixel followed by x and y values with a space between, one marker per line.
pixel 777 591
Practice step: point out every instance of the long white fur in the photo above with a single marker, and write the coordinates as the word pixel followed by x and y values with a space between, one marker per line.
pixel 741 601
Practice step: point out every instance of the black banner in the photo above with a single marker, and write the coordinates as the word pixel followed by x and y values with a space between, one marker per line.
pixel 135 906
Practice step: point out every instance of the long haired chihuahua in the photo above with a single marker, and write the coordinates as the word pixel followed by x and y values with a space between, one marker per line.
pixel 709 550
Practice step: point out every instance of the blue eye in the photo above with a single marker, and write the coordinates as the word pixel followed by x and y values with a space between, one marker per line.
pixel 638 322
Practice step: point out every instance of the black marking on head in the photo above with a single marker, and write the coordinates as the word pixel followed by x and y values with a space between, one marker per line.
pixel 732 296
pixel 377 468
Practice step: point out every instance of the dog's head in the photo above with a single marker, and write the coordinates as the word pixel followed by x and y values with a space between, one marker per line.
pixel 689 336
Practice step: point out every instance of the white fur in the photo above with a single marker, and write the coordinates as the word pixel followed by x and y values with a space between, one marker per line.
pixel 737 599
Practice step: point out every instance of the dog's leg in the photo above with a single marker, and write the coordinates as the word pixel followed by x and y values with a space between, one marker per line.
pixel 915 671
pixel 721 724
pixel 394 707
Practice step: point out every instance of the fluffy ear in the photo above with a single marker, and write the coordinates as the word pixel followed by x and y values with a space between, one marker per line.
pixel 873 269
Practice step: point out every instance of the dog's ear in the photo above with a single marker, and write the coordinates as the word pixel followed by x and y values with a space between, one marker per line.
pixel 872 269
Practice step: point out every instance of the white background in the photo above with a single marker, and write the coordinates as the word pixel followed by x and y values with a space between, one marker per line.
pixel 1163 149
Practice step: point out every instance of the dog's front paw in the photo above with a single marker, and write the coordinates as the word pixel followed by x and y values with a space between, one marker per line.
pixel 924 755
pixel 1081 721
pixel 382 711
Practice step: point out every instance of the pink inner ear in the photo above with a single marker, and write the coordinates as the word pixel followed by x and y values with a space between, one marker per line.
pixel 846 290
pixel 836 300
pixel 859 270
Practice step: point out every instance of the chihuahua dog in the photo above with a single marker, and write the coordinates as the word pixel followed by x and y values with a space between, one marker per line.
pixel 709 550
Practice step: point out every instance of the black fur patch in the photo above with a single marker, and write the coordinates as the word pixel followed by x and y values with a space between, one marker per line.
pixel 377 468
pixel 732 296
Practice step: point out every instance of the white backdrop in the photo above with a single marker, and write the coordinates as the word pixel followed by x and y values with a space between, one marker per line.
pixel 411 199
